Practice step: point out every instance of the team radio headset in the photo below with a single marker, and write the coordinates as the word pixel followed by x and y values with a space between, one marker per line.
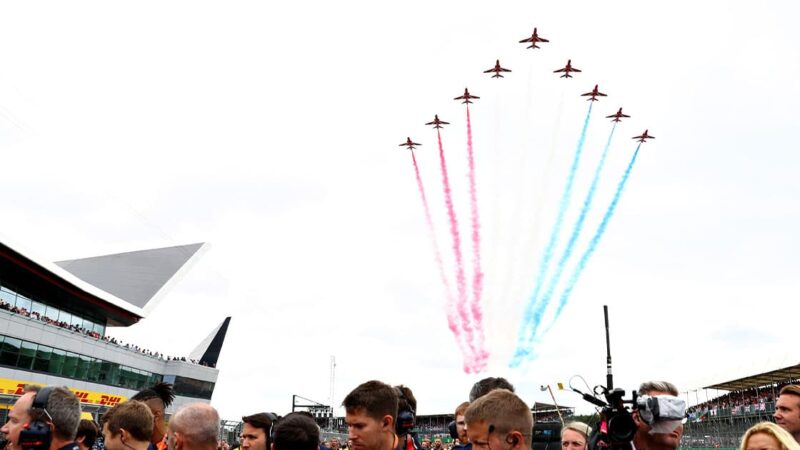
pixel 37 434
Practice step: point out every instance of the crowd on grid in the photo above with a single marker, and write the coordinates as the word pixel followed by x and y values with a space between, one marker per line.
pixel 378 417
pixel 93 334
pixel 746 401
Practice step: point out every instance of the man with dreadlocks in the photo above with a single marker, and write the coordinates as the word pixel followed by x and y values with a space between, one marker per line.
pixel 157 398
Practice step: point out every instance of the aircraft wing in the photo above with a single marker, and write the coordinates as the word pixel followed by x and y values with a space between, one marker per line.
pixel 560 70
pixel 490 70
pixel 504 70
pixel 542 39
pixel 575 70
pixel 526 40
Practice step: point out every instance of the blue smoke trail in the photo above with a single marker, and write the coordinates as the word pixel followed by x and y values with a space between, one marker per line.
pixel 576 230
pixel 596 238
pixel 531 317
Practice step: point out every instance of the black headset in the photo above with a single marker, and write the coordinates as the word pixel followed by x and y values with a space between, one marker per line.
pixel 273 420
pixel 405 418
pixel 36 435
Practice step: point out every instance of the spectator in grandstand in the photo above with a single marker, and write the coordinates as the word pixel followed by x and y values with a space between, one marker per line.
pixel 257 431
pixel 87 434
pixel 644 439
pixel 406 417
pixel 575 436
pixel 370 412
pixel 128 426
pixel 62 411
pixel 768 436
pixel 334 443
pixel 487 385
pixel 298 432
pixel 787 410
pixel 437 443
pixel 426 444
pixel 194 427
pixel 157 398
pixel 499 420
pixel 461 428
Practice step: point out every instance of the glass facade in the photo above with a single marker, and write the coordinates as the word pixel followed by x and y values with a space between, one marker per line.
pixel 13 298
pixel 190 387
pixel 27 355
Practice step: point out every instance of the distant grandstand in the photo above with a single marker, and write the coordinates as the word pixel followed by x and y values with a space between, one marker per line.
pixel 720 422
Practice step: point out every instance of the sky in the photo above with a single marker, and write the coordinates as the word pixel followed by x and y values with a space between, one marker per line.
pixel 270 130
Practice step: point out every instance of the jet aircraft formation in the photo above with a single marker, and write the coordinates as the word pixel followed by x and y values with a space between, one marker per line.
pixel 464 310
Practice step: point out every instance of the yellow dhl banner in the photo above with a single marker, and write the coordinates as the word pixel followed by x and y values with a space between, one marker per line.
pixel 15 387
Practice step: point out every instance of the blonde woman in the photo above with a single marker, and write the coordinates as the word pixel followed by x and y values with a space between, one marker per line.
pixel 575 436
pixel 768 436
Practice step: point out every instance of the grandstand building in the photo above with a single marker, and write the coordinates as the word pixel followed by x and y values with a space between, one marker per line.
pixel 54 318
pixel 719 421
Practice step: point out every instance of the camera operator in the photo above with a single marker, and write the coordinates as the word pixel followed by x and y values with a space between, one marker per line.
pixel 56 407
pixel 649 438
pixel 407 439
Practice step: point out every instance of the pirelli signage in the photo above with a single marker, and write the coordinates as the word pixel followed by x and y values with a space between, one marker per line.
pixel 15 387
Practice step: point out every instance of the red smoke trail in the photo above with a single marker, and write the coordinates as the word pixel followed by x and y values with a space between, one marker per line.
pixel 451 302
pixel 477 280
pixel 461 282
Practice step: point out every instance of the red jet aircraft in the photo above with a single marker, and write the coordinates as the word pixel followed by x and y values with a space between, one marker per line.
pixel 437 123
pixel 644 136
pixel 409 143
pixel 617 117
pixel 567 69
pixel 593 94
pixel 496 69
pixel 466 97
pixel 533 40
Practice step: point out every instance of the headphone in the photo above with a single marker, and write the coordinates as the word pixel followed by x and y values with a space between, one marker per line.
pixel 273 419
pixel 405 417
pixel 37 434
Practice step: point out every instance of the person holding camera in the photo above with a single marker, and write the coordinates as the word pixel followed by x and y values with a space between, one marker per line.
pixel 499 420
pixel 666 436
pixel 44 419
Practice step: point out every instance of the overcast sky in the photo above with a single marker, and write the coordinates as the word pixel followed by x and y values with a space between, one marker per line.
pixel 270 130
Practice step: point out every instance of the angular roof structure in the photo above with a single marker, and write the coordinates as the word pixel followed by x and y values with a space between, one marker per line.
pixel 141 277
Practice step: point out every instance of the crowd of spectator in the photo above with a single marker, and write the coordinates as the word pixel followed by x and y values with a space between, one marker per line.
pixel 93 334
pixel 747 401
